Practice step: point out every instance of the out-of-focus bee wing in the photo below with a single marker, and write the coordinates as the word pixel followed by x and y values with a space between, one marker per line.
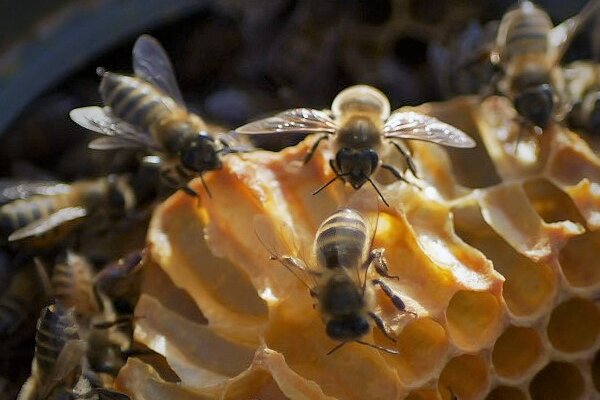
pixel 11 189
pixel 151 63
pixel 108 394
pixel 279 242
pixel 298 120
pixel 98 119
pixel 562 35
pixel 48 223
pixel 412 125
pixel 68 360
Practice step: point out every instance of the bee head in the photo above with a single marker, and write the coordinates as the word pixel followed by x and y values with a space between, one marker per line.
pixel 199 153
pixel 356 166
pixel 536 104
pixel 348 328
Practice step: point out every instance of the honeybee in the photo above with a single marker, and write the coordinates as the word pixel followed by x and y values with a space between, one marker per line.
pixel 44 219
pixel 58 355
pixel 527 51
pixel 147 112
pixel 360 125
pixel 583 87
pixel 120 280
pixel 337 278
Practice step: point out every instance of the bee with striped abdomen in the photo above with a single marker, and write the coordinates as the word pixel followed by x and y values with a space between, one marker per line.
pixel 338 275
pixel 59 351
pixel 147 111
pixel 527 51
pixel 360 126
pixel 44 219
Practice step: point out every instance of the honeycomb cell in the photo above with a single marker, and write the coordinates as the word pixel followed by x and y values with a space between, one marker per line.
pixel 516 351
pixel 466 376
pixel 552 204
pixel 579 260
pixel 596 371
pixel 557 381
pixel 473 319
pixel 574 325
pixel 529 285
pixel 506 393
pixel 424 394
pixel 423 344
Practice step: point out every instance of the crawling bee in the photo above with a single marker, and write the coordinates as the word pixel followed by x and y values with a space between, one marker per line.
pixel 45 219
pixel 583 87
pixel 527 51
pixel 147 111
pixel 58 355
pixel 338 276
pixel 360 126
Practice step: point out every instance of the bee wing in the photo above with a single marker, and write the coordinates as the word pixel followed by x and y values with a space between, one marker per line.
pixel 151 63
pixel 562 35
pixel 100 120
pixel 412 125
pixel 297 120
pixel 279 240
pixel 69 358
pixel 11 189
pixel 108 394
pixel 48 223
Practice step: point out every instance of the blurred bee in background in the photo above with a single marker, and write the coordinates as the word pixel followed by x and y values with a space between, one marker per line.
pixel 360 125
pixel 41 214
pixel 583 88
pixel 58 368
pixel 120 280
pixel 338 275
pixel 147 112
pixel 526 52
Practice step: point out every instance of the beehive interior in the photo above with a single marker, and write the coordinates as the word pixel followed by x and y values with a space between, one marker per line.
pixel 497 258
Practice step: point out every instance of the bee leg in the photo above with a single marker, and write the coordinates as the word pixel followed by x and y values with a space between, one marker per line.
pixel 407 156
pixel 313 148
pixel 381 325
pixel 396 173
pixel 380 263
pixel 396 300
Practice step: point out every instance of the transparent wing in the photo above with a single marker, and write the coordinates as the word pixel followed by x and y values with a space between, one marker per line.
pixel 298 120
pixel 108 394
pixel 562 35
pixel 69 358
pixel 151 63
pixel 100 120
pixel 278 240
pixel 48 223
pixel 11 189
pixel 412 125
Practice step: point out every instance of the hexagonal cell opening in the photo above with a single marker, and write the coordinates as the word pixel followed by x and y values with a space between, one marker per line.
pixel 465 376
pixel 574 325
pixel 473 319
pixel 596 371
pixel 516 351
pixel 506 393
pixel 529 286
pixel 579 260
pixel 557 381
pixel 423 344
pixel 551 203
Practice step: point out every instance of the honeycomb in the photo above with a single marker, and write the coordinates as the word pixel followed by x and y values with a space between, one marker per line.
pixel 497 254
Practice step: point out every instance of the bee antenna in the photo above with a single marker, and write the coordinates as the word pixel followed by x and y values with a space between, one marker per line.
pixel 377 190
pixel 100 71
pixel 336 348
pixel 205 186
pixel 335 178
pixel 384 349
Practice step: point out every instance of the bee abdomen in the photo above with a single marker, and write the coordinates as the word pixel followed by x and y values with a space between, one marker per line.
pixel 528 32
pixel 54 329
pixel 342 240
pixel 20 213
pixel 133 100
pixel 72 284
